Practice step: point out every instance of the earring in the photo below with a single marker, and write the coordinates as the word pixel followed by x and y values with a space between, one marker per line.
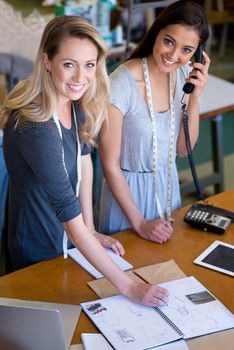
pixel 48 71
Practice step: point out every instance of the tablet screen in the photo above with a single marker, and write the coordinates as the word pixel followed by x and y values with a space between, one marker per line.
pixel 222 257
pixel 218 256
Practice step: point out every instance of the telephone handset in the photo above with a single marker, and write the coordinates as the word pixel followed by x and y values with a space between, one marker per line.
pixel 189 87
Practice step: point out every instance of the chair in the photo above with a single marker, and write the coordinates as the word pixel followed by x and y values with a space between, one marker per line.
pixel 15 68
pixel 218 15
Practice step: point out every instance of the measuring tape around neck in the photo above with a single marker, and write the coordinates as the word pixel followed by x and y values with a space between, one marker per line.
pixel 155 145
pixel 78 164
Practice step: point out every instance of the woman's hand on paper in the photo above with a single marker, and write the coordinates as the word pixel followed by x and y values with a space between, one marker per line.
pixel 110 242
pixel 155 230
pixel 148 294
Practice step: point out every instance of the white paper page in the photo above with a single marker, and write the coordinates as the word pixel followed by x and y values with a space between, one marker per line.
pixel 127 325
pixel 81 260
pixel 194 319
pixel 94 341
pixel 69 313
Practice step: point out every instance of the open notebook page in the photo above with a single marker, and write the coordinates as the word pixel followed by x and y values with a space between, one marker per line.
pixel 194 310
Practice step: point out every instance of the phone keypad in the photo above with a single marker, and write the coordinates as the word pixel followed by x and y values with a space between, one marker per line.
pixel 198 215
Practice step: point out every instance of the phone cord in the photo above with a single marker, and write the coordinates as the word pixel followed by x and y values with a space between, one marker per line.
pixel 201 195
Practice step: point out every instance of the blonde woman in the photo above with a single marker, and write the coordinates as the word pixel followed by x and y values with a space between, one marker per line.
pixel 50 122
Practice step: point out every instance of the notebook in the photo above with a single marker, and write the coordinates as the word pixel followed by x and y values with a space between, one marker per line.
pixel 192 311
pixel 76 255
pixel 96 341
pixel 26 325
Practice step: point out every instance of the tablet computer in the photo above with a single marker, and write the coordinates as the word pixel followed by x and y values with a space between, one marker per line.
pixel 218 256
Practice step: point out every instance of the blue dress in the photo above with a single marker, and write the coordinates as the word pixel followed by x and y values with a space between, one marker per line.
pixel 136 152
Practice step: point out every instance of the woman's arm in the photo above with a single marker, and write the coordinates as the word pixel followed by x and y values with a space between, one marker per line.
pixel 193 105
pixel 85 192
pixel 110 148
pixel 84 240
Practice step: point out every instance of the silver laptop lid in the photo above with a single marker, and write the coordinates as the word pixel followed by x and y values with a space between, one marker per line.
pixel 69 313
pixel 25 328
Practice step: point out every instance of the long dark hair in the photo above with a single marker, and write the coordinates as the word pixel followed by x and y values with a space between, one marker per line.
pixel 187 13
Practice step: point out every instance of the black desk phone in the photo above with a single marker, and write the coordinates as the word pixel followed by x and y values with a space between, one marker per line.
pixel 202 216
pixel 208 218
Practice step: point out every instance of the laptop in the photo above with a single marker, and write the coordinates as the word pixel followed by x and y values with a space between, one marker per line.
pixel 36 326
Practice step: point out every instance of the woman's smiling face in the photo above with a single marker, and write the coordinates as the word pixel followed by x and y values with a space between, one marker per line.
pixel 73 68
pixel 174 47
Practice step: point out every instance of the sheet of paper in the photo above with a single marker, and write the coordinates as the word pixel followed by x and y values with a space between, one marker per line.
pixel 95 341
pixel 69 313
pixel 81 260
pixel 195 318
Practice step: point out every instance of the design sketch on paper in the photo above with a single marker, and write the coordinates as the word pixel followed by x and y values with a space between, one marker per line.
pixel 131 324
pixel 189 318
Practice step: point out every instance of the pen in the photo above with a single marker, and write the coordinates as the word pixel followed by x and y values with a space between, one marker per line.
pixel 141 277
pixel 144 280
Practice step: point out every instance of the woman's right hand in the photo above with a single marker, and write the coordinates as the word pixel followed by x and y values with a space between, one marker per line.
pixel 83 238
pixel 147 294
pixel 110 242
pixel 155 230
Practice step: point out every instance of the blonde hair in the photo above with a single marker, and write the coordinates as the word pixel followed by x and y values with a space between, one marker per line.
pixel 34 99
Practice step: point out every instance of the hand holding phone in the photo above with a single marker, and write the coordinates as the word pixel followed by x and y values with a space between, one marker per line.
pixel 189 87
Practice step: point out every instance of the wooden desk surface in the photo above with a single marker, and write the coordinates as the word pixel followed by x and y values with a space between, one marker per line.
pixel 218 98
pixel 63 281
